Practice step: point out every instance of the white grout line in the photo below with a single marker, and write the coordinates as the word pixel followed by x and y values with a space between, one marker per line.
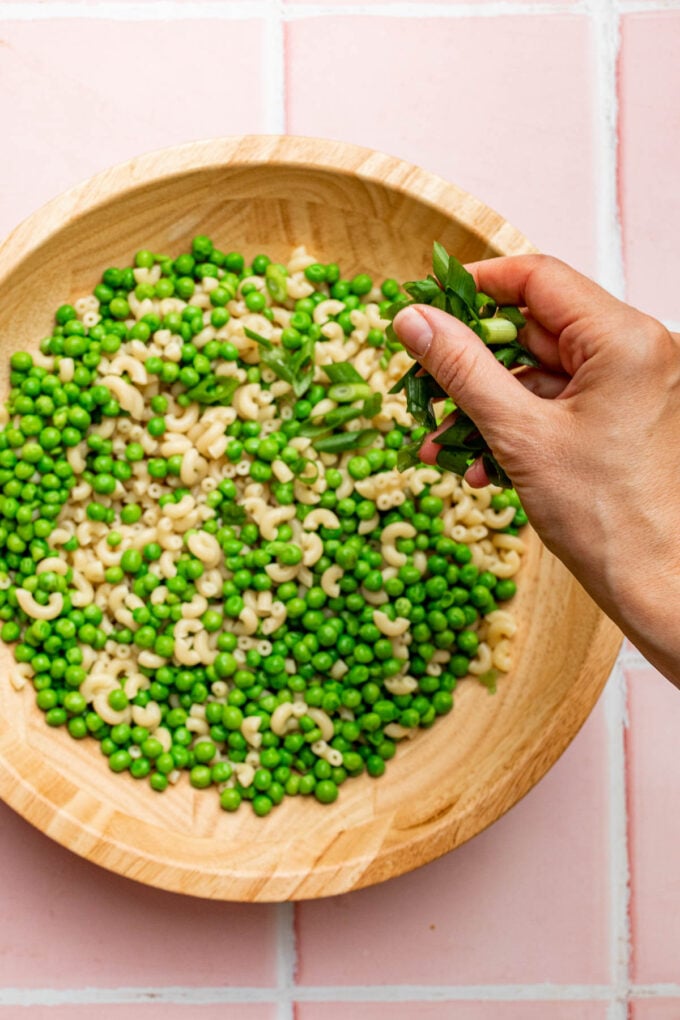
pixel 606 36
pixel 286 994
pixel 659 991
pixel 285 997
pixel 645 6
pixel 406 9
pixel 152 10
pixel 274 71
pixel 471 8
pixel 286 960
pixel 605 26
pixel 619 865
pixel 234 10
pixel 176 994
pixel 456 993
pixel 632 657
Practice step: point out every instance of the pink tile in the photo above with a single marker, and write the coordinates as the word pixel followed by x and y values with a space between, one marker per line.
pixel 654 826
pixel 501 106
pixel 525 901
pixel 143 1011
pixel 655 1009
pixel 78 96
pixel 448 1010
pixel 65 922
pixel 650 153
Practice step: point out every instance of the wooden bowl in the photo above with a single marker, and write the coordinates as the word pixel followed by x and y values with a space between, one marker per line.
pixel 370 213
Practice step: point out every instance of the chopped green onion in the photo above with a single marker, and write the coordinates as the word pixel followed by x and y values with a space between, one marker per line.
pixel 343 372
pixel 498 330
pixel 346 441
pixel 344 393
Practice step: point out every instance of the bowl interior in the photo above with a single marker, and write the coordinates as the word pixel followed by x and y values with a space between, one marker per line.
pixel 370 214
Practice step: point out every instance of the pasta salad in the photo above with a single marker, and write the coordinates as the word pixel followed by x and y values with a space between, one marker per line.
pixel 210 561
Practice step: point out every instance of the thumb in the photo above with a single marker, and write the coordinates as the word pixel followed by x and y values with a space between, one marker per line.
pixel 464 366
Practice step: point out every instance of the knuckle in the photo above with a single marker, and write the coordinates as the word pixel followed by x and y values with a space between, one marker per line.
pixel 648 342
pixel 656 336
pixel 547 266
pixel 548 262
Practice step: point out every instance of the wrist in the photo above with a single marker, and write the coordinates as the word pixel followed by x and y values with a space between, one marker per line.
pixel 642 595
pixel 628 560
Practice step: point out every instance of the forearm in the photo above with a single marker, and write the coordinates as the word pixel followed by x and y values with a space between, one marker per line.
pixel 630 565
pixel 659 641
pixel 646 608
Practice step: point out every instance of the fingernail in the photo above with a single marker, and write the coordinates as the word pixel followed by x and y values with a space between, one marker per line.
pixel 414 331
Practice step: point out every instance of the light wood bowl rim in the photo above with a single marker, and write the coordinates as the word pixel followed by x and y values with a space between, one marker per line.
pixel 380 169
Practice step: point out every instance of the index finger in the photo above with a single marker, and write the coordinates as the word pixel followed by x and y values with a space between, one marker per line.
pixel 556 294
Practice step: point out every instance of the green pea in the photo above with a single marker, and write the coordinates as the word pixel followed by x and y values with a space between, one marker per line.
pixel 505 589
pixel 131 513
pixel 117 700
pixel 120 761
pixel 375 765
pixel 230 799
pixel 200 777
pixel 131 560
pixel 359 467
pixel 156 426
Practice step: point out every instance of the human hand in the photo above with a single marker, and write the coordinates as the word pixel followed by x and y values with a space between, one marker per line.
pixel 590 439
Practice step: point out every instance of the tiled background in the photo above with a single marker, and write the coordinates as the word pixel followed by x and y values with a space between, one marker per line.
pixel 565 116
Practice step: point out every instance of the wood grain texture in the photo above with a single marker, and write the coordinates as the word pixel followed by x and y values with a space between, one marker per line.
pixel 375 214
